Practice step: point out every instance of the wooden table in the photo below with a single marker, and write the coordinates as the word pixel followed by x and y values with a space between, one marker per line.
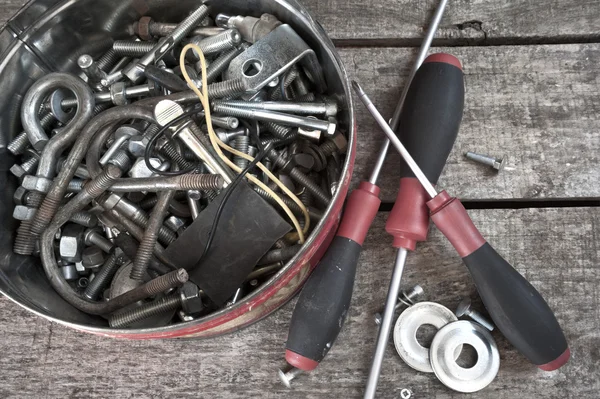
pixel 531 92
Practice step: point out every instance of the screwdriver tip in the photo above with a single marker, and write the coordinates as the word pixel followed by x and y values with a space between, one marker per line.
pixel 357 88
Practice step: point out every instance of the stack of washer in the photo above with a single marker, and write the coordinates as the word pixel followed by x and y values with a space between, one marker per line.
pixel 446 347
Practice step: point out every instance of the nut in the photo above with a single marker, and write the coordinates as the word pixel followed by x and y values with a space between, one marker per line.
pixel 37 183
pixel 117 93
pixel 19 195
pixel 142 28
pixel 18 171
pixel 137 145
pixel 191 302
pixel 340 141
pixel 92 257
pixel 69 272
pixel 140 170
pixel 71 243
pixel 24 213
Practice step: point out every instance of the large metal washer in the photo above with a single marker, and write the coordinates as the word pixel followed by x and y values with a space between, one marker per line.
pixel 405 332
pixel 443 361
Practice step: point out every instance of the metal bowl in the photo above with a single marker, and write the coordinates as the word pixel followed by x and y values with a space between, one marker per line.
pixel 49 35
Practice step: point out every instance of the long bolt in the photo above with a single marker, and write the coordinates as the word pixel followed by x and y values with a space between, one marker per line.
pixel 132 48
pixel 102 278
pixel 20 143
pixel 301 108
pixel 406 298
pixel 464 309
pixel 108 97
pixel 167 149
pixel 135 70
pixel 279 131
pixel 218 66
pixel 170 183
pixel 147 29
pixel 277 117
pixel 218 43
pixel 159 306
pixel 496 163
pixel 108 60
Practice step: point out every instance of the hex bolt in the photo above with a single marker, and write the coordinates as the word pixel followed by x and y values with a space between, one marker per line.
pixel 218 43
pixel 119 94
pixel 92 257
pixel 90 68
pixel 464 309
pixel 135 70
pixel 147 29
pixel 496 163
pixel 277 117
pixel 93 237
pixel 187 298
pixel 103 277
pixel 24 241
pixel 241 143
pixel 287 376
pixel 132 48
pixel 323 108
pixel 165 112
pixel 27 167
pixel 20 143
pixel 406 298
pixel 169 183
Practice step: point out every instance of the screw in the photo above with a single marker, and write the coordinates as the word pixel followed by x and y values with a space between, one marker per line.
pixel 302 108
pixel 168 150
pixel 132 48
pixel 108 60
pixel 241 144
pixel 290 76
pixel 287 377
pixel 27 167
pixel 86 219
pixel 102 278
pixel 90 68
pixel 464 309
pixel 148 29
pixel 219 65
pixel 406 298
pixel 93 237
pixel 218 43
pixel 497 163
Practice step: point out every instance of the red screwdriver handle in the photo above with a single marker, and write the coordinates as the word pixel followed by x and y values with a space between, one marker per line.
pixel 324 301
pixel 428 127
pixel 516 307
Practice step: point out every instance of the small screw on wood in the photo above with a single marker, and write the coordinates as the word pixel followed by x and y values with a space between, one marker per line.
pixel 406 298
pixel 287 377
pixel 497 163
pixel 464 309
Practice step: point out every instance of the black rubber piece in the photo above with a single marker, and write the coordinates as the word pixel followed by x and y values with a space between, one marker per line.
pixel 166 79
pixel 518 310
pixel 431 117
pixel 317 320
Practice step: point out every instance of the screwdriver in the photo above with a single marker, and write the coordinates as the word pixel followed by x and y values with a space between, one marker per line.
pixel 323 304
pixel 517 308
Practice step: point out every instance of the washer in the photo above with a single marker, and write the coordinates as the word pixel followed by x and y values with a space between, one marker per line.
pixel 444 364
pixel 405 332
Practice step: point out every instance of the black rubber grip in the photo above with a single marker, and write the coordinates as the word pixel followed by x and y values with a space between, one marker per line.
pixel 324 301
pixel 516 307
pixel 431 117
pixel 165 79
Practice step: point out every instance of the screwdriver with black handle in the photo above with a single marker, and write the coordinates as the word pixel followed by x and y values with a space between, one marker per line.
pixel 325 299
pixel 517 308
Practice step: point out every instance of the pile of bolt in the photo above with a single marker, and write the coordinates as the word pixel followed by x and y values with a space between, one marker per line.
pixel 442 354
pixel 106 187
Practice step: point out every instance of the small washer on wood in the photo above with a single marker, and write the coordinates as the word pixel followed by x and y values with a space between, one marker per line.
pixel 405 332
pixel 443 349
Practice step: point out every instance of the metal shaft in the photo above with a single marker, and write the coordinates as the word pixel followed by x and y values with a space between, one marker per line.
pixel 395 121
pixel 395 141
pixel 386 324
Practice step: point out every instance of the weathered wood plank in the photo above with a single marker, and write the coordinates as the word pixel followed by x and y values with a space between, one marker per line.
pixel 538 104
pixel 484 21
pixel 557 249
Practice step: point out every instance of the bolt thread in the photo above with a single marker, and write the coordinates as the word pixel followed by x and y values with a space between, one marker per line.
pixel 108 60
pixel 129 48
pixel 221 108
pixel 75 185
pixel 166 236
pixel 227 88
pixel 310 185
pixel 84 219
pixel 308 98
pixel 219 43
pixel 19 144
pixel 103 278
pixel 100 184
pixel 30 164
pixel 291 75
pixel 201 182
pixel 96 239
pixel 188 24
pixel 314 215
pixel 170 151
pixel 328 148
pixel 211 195
pixel 279 131
pixel 34 199
pixel 143 256
pixel 306 197
pixel 161 284
pixel 218 66
pixel 44 215
pixel 152 130
pixel 24 242
pixel 98 109
pixel 241 143
pixel 163 305
pixel 121 160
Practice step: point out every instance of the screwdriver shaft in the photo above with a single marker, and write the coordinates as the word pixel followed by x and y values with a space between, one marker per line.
pixel 395 121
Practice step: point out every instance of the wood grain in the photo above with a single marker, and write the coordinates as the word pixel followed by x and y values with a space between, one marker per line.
pixel 556 249
pixel 537 104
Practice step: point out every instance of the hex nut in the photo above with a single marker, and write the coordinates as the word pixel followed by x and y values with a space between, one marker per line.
pixel 92 257
pixel 140 169
pixel 24 213
pixel 19 195
pixel 340 141
pixel 37 183
pixel 117 93
pixel 191 302
pixel 18 171
pixel 71 243
pixel 142 28
pixel 137 145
